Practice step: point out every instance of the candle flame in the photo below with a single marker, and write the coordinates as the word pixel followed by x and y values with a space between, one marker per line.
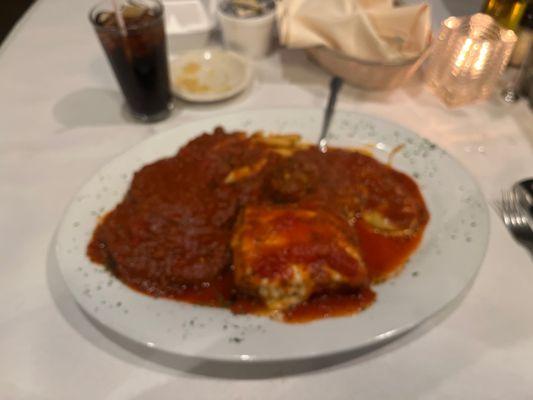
pixel 459 62
pixel 482 58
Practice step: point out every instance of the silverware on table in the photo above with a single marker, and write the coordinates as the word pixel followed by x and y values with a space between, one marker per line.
pixel 516 219
pixel 524 192
pixel 334 87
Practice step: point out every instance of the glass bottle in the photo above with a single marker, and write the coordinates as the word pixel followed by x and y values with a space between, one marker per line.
pixel 525 38
pixel 507 13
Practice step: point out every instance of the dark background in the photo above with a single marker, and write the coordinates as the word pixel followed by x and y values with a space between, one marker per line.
pixel 10 13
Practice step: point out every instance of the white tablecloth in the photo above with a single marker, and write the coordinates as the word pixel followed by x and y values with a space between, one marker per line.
pixel 61 119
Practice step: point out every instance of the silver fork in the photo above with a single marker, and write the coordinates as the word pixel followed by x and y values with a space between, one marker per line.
pixel 516 221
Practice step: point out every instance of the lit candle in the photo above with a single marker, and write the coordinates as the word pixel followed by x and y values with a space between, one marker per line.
pixel 468 58
pixel 482 56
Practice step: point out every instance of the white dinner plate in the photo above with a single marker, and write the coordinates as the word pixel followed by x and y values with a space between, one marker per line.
pixel 444 265
pixel 204 76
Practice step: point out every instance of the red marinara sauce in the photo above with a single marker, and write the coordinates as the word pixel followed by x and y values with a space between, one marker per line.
pixel 171 234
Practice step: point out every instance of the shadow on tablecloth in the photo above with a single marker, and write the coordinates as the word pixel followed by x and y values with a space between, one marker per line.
pixel 91 106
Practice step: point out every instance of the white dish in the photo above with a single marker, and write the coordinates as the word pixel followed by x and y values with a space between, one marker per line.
pixel 187 25
pixel 252 36
pixel 446 262
pixel 209 75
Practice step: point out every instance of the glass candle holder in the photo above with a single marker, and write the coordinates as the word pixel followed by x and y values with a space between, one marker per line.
pixel 468 58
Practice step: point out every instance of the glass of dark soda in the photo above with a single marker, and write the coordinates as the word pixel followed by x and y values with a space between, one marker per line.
pixel 133 37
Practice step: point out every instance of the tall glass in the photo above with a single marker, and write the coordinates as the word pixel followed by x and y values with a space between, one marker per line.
pixel 135 44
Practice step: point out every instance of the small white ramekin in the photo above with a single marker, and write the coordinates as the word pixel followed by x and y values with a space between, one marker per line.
pixel 252 37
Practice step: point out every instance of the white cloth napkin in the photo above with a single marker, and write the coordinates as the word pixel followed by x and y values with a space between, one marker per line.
pixel 372 30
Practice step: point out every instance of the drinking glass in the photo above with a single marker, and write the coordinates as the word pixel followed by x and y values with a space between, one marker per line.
pixel 133 37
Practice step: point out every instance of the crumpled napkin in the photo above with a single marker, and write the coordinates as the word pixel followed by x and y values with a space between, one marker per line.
pixel 372 30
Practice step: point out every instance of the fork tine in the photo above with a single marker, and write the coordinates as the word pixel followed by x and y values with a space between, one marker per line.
pixel 503 208
pixel 511 213
pixel 522 211
pixel 512 209
pixel 519 215
pixel 517 210
pixel 516 221
pixel 506 212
